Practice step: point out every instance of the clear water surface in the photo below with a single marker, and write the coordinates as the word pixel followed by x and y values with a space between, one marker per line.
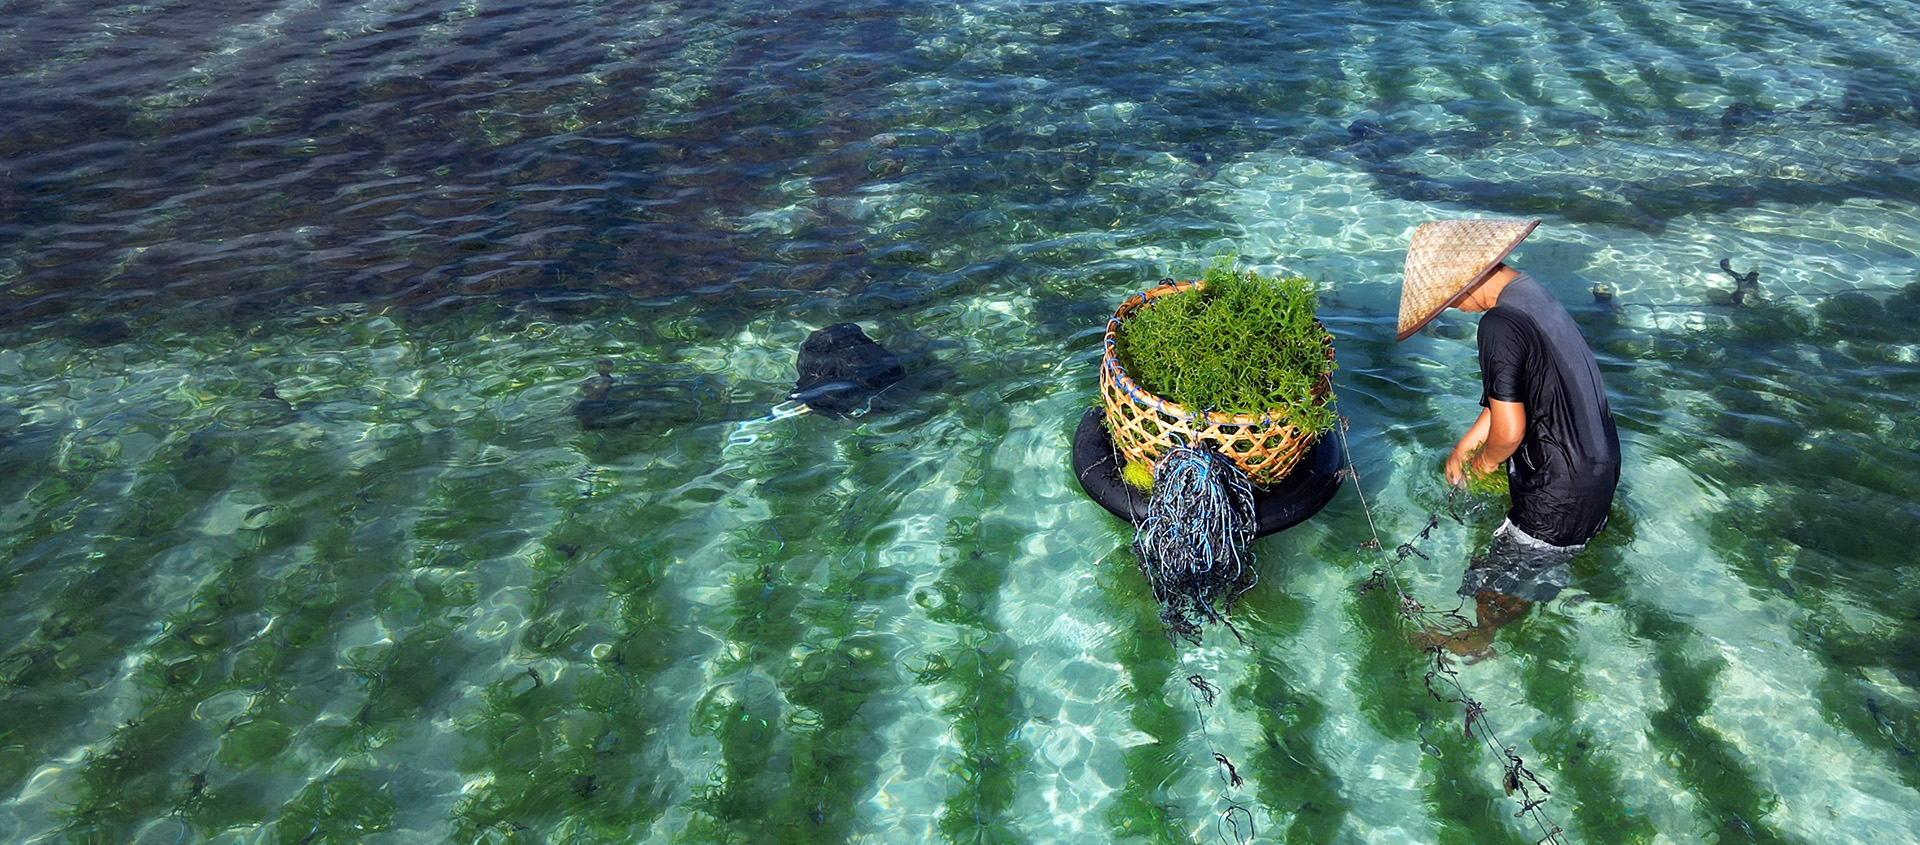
pixel 407 596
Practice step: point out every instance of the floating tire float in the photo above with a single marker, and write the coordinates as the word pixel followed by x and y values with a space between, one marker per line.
pixel 1288 502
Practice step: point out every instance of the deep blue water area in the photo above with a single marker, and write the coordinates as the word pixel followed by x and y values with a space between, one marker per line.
pixel 305 535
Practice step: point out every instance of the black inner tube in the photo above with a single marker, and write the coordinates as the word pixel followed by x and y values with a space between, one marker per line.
pixel 1300 495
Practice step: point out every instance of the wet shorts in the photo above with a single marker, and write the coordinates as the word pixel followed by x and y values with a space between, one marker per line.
pixel 1518 565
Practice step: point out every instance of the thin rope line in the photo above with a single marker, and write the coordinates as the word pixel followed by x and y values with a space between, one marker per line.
pixel 1478 725
pixel 1236 814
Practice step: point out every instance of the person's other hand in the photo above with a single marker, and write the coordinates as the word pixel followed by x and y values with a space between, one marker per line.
pixel 1477 464
pixel 1456 468
pixel 1468 446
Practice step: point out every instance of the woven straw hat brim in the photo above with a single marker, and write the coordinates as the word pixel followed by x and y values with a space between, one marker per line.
pixel 1447 258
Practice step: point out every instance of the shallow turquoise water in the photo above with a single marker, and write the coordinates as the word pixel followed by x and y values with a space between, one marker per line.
pixel 413 599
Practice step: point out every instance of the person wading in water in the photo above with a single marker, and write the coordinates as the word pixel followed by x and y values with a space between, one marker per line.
pixel 1543 412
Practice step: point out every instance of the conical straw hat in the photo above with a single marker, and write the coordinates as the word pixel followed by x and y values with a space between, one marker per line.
pixel 1447 258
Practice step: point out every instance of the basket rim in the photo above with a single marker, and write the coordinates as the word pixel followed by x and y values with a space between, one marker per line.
pixel 1110 362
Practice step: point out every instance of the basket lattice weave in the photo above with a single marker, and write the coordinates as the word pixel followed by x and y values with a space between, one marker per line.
pixel 1144 426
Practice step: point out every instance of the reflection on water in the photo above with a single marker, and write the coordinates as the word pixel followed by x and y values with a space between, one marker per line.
pixel 314 531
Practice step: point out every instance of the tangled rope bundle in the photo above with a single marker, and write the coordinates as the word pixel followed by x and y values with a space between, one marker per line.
pixel 1193 545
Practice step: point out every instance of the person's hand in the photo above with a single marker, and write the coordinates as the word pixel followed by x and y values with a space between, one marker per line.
pixel 1464 450
pixel 1469 471
pixel 1476 465
pixel 1456 468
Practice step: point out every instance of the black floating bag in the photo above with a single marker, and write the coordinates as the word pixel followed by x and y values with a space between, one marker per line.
pixel 841 369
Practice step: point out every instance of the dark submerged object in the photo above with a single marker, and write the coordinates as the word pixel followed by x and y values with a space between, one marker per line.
pixel 607 402
pixel 1743 286
pixel 1300 495
pixel 273 392
pixel 841 369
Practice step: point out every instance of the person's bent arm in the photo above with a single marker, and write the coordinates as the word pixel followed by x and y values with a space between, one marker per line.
pixel 1507 424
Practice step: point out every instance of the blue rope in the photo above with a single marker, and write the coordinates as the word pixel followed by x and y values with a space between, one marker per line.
pixel 1193 545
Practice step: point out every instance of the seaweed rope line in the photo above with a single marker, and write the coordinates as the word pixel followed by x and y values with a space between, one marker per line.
pixel 1236 820
pixel 1195 543
pixel 1200 516
pixel 1479 726
pixel 1236 823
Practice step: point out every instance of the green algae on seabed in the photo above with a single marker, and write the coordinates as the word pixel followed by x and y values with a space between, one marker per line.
pixel 1294 785
pixel 1411 699
pixel 1582 769
pixel 1145 809
pixel 201 655
pixel 81 627
pixel 975 666
pixel 562 756
pixel 1731 803
pixel 344 805
pixel 793 771
pixel 1815 450
pixel 139 766
pixel 1298 787
pixel 1024 160
pixel 1458 771
pixel 797 755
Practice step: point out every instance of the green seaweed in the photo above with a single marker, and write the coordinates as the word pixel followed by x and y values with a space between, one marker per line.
pixel 1460 778
pixel 1145 809
pixel 797 738
pixel 1731 804
pixel 163 757
pixel 975 669
pixel 347 805
pixel 1585 774
pixel 562 757
pixel 1459 772
pixel 1299 788
pixel 1407 700
pixel 1388 684
pixel 1810 430
pixel 1810 449
pixel 1241 344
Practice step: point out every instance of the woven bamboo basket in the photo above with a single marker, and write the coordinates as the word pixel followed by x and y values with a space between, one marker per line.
pixel 1144 426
